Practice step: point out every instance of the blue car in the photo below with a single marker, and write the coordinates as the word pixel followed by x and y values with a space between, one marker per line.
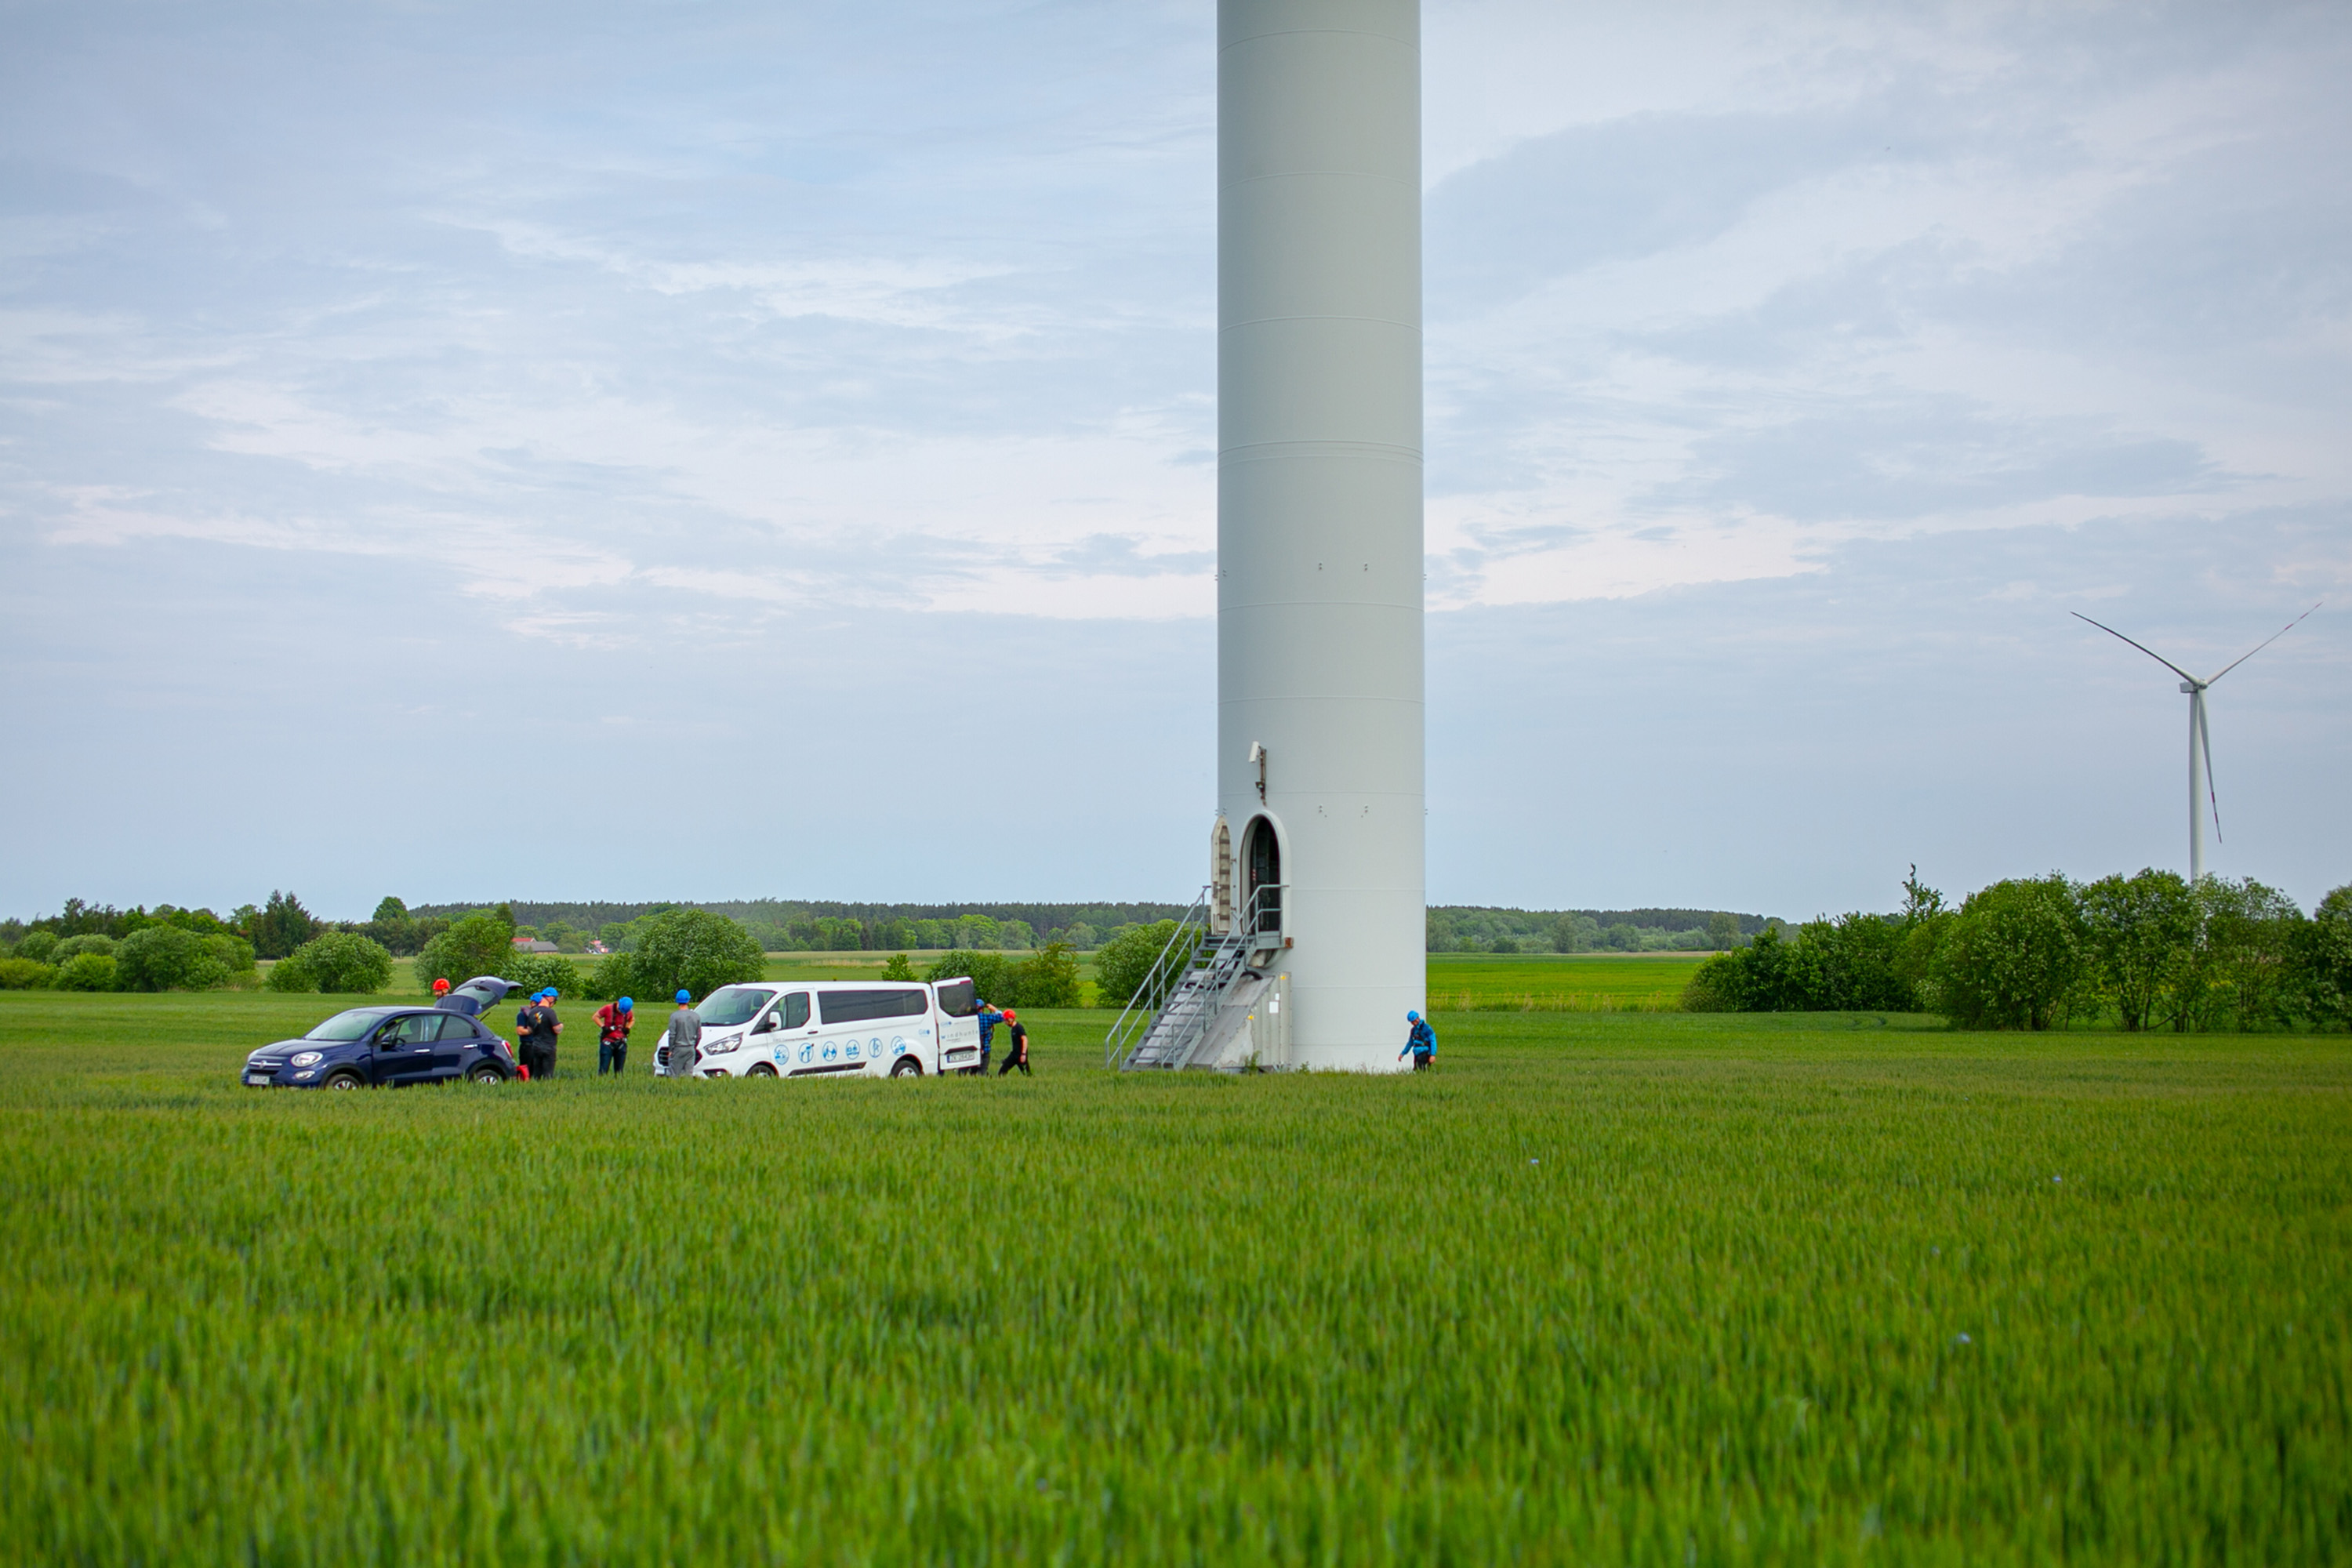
pixel 393 1045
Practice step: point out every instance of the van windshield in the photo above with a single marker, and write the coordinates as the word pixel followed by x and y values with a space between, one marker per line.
pixel 732 1004
pixel 348 1026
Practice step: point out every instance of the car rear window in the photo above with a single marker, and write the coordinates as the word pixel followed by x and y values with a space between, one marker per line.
pixel 958 999
pixel 858 1007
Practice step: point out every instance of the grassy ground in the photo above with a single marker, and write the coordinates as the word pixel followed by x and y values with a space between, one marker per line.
pixel 1649 1289
pixel 1559 982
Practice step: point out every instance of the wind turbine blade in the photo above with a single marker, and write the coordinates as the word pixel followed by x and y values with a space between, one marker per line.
pixel 2263 644
pixel 2205 739
pixel 2150 651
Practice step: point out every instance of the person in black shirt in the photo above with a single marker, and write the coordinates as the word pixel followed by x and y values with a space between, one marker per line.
pixel 1017 1045
pixel 538 1042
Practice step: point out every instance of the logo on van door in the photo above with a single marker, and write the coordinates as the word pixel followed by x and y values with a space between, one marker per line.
pixel 897 1045
pixel 808 1052
pixel 831 1051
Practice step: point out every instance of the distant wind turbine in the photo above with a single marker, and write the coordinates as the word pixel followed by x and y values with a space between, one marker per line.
pixel 2201 744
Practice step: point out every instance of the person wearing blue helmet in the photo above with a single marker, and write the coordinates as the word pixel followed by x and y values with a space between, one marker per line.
pixel 1422 1041
pixel 613 1021
pixel 682 1041
pixel 540 1028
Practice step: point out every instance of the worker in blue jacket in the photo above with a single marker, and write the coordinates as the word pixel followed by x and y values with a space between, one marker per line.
pixel 1422 1042
pixel 989 1018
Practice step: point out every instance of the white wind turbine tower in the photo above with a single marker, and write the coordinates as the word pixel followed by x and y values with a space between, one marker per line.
pixel 2201 744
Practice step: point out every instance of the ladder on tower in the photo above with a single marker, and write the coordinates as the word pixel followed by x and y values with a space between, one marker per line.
pixel 1195 975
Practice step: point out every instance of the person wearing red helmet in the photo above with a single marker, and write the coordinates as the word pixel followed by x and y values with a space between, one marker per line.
pixel 1017 1045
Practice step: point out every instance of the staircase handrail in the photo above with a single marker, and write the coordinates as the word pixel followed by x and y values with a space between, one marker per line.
pixel 1232 951
pixel 1159 981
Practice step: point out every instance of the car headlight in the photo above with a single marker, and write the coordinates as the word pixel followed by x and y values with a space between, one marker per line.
pixel 714 1048
pixel 308 1058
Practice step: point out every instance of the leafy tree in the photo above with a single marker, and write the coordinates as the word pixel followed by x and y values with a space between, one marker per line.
pixel 537 971
pixel 898 968
pixel 394 926
pixel 2017 955
pixel 339 961
pixel 25 974
pixel 167 958
pixel 1722 932
pixel 1504 944
pixel 2249 931
pixel 1047 978
pixel 989 974
pixel 2139 927
pixel 73 947
pixel 2320 958
pixel 282 926
pixel 1621 937
pixel 1124 965
pixel 38 946
pixel 474 944
pixel 690 950
pixel 86 971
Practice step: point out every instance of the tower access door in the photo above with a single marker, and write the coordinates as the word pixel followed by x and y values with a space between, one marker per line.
pixel 1261 877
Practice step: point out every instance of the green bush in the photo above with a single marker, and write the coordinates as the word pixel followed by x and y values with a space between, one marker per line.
pixel 73 947
pixel 166 958
pixel 1124 962
pixel 86 971
pixel 477 944
pixel 2138 928
pixel 536 972
pixel 898 968
pixel 25 974
pixel 690 950
pixel 38 946
pixel 1047 978
pixel 989 974
pixel 2320 961
pixel 2017 955
pixel 341 962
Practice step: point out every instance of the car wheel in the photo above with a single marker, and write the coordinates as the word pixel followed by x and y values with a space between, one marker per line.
pixel 906 1067
pixel 761 1070
pixel 346 1078
pixel 483 1072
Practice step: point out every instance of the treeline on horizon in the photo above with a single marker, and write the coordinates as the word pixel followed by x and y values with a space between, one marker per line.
pixel 2148 951
pixel 781 925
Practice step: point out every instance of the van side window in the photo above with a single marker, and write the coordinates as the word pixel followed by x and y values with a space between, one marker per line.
pixel 957 999
pixel 795 1009
pixel 859 1006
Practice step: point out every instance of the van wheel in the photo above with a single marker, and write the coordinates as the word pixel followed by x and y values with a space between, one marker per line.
pixel 483 1072
pixel 906 1067
pixel 761 1070
pixel 346 1078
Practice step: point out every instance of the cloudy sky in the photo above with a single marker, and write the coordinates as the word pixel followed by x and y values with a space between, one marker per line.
pixel 713 450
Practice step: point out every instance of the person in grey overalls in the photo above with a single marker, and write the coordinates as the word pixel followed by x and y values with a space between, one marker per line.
pixel 685 1038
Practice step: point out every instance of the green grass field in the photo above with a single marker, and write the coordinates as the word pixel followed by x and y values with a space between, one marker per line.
pixel 1604 1287
pixel 1558 983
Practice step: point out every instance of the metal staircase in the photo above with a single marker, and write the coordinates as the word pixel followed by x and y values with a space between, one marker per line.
pixel 1195 974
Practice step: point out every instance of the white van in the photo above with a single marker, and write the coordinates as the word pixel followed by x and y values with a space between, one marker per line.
pixel 819 1029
